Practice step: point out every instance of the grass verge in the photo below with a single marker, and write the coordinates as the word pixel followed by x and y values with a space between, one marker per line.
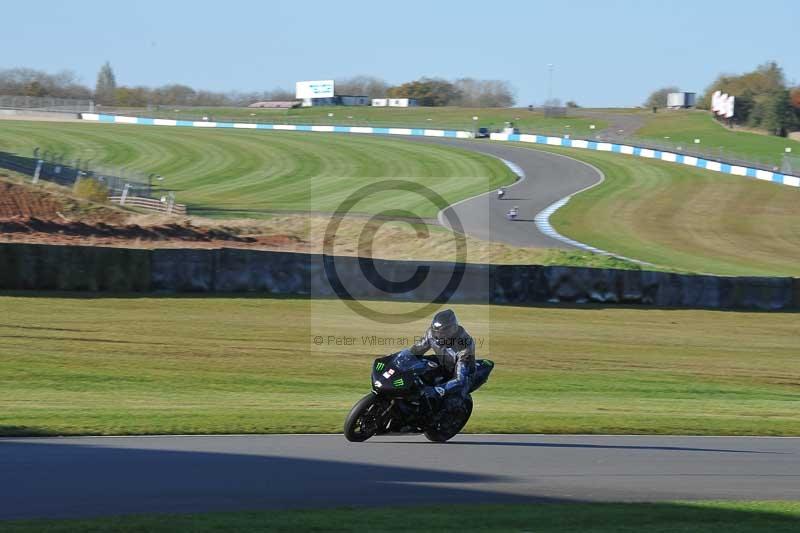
pixel 710 517
pixel 683 127
pixel 139 365
pixel 685 218
pixel 241 173
pixel 422 117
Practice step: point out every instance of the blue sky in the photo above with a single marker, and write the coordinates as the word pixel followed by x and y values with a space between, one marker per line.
pixel 606 53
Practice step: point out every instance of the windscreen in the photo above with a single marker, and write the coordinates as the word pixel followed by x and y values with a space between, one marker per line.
pixel 405 361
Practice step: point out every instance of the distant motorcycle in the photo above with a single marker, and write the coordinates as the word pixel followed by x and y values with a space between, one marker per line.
pixel 397 405
pixel 512 214
pixel 501 193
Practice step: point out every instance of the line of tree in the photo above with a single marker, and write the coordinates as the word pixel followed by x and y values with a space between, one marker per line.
pixel 30 82
pixel 467 92
pixel 763 98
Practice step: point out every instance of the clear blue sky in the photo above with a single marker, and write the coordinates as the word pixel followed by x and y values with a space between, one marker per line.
pixel 606 53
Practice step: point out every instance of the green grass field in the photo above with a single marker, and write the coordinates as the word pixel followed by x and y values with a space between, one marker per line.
pixel 683 127
pixel 138 365
pixel 238 173
pixel 668 517
pixel 685 218
pixel 423 117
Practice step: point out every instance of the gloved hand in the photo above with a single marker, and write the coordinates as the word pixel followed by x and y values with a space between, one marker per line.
pixel 433 393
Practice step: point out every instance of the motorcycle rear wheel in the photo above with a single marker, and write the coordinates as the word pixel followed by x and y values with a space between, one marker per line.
pixel 362 422
pixel 443 434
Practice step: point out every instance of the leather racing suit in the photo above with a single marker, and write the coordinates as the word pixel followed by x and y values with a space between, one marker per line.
pixel 456 354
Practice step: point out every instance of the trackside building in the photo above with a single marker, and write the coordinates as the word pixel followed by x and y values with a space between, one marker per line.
pixel 322 93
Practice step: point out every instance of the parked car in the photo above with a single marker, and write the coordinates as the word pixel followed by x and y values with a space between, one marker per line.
pixel 482 133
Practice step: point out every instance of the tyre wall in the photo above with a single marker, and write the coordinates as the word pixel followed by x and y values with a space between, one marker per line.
pixel 87 268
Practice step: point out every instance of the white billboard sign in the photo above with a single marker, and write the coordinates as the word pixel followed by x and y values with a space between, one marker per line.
pixel 722 104
pixel 314 89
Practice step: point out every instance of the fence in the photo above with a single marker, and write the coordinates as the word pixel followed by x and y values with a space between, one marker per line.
pixel 58 169
pixel 46 103
pixel 165 205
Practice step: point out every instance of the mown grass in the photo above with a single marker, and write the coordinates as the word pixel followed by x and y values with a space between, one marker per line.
pixel 685 218
pixel 401 240
pixel 78 365
pixel 238 173
pixel 423 117
pixel 710 516
pixel 683 127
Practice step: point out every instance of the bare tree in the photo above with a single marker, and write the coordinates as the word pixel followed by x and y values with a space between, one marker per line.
pixel 363 86
pixel 484 93
pixel 30 82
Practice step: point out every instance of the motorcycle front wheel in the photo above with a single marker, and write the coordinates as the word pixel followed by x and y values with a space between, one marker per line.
pixel 362 422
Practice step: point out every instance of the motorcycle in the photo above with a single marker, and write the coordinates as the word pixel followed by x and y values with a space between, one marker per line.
pixel 397 403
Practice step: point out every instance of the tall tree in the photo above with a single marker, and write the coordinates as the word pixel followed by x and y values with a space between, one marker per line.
pixel 106 87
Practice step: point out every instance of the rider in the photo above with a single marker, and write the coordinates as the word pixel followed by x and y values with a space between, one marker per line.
pixel 454 349
pixel 501 192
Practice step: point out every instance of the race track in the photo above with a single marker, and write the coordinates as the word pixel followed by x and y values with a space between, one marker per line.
pixel 92 476
pixel 549 178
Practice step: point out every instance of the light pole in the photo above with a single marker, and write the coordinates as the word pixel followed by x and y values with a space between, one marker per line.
pixel 550 68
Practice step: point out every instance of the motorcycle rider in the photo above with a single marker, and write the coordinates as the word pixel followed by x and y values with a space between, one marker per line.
pixel 455 352
pixel 501 192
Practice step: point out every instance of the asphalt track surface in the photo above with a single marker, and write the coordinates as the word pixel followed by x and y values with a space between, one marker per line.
pixel 549 178
pixel 94 476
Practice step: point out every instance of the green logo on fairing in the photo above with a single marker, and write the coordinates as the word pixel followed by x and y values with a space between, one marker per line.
pixel 398 382
pixel 379 367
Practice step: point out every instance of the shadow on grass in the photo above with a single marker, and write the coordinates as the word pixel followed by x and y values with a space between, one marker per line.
pixel 26 431
pixel 712 517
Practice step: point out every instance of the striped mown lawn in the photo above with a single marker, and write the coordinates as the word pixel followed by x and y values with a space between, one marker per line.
pixel 683 127
pixel 73 364
pixel 251 173
pixel 685 218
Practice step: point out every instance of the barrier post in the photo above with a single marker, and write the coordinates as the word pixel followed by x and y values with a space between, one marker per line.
pixel 38 171
pixel 124 194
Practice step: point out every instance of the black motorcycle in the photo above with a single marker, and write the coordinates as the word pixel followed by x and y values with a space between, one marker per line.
pixel 397 405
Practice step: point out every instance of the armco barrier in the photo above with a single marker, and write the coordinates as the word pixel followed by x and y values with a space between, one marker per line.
pixel 227 270
pixel 282 127
pixel 715 166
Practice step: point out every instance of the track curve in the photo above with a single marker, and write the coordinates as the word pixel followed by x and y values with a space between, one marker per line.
pixel 92 476
pixel 548 178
